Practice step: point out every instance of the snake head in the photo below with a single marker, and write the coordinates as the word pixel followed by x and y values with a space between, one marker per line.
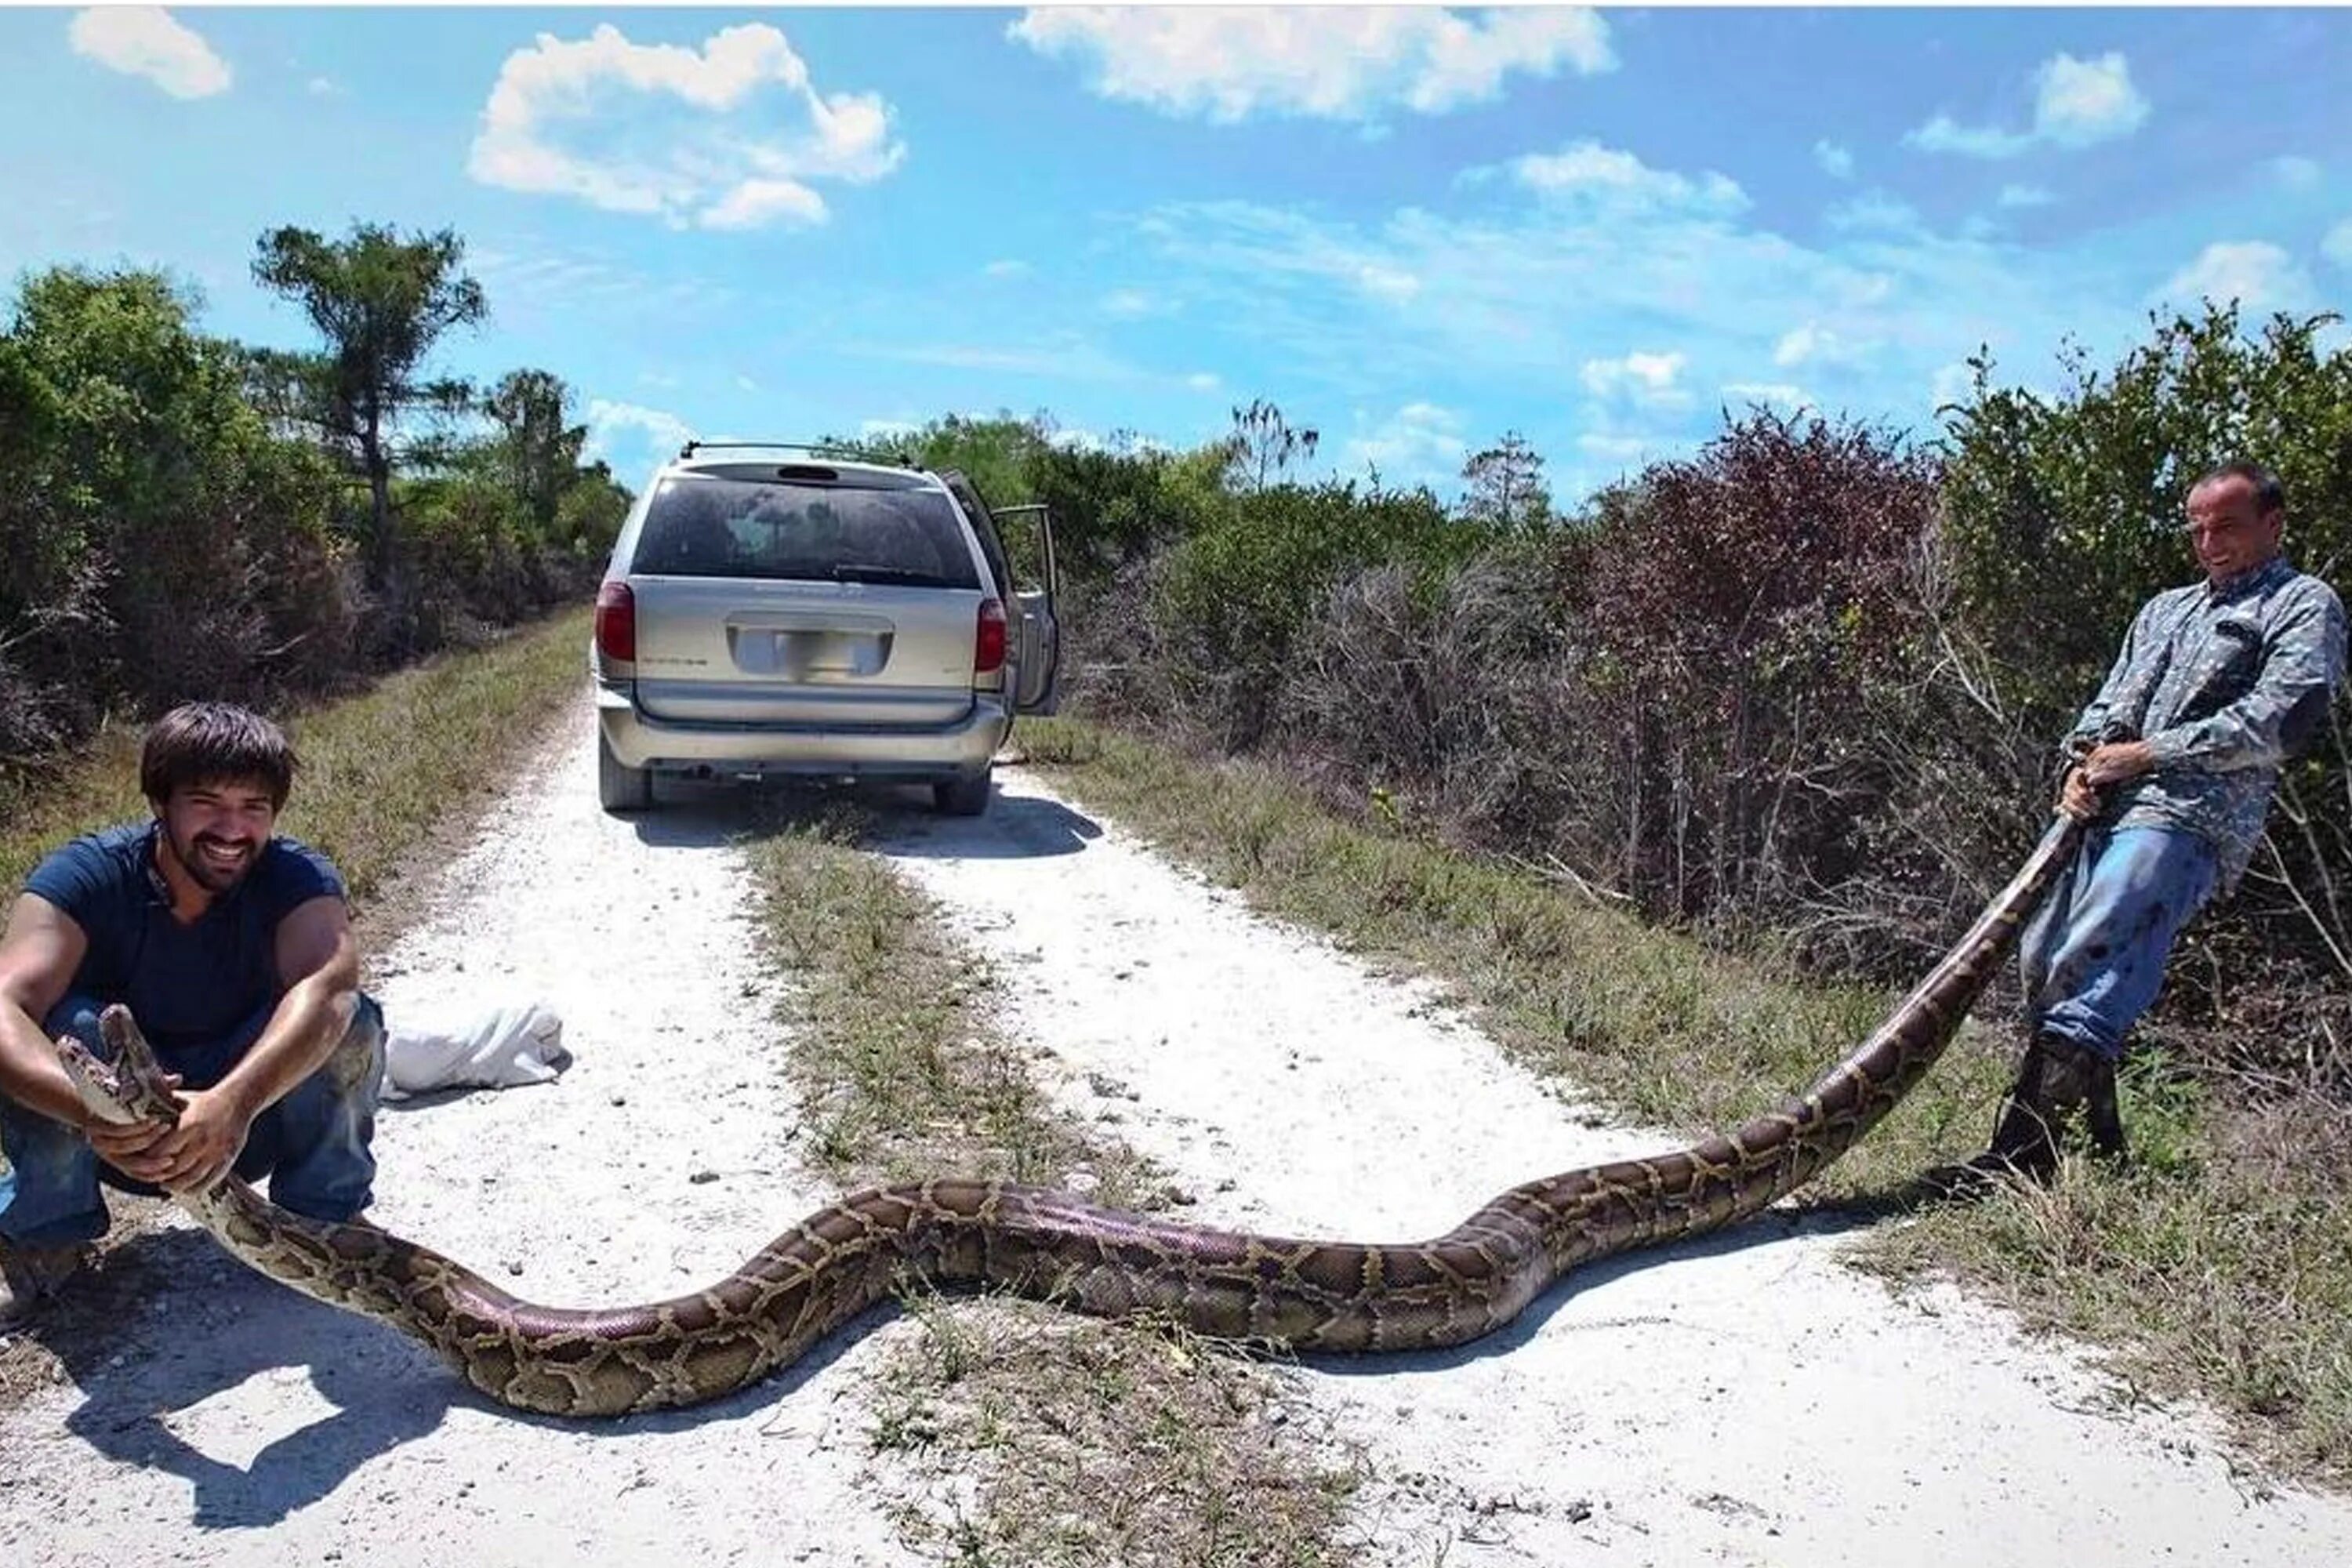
pixel 130 1089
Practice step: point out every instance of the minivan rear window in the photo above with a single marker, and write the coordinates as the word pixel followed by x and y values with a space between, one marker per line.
pixel 710 527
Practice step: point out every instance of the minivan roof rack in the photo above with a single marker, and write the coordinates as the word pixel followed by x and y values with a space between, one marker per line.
pixel 901 460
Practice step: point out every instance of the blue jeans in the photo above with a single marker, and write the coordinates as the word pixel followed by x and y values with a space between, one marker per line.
pixel 2093 956
pixel 313 1144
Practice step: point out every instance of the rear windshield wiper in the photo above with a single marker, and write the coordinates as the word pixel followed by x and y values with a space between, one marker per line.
pixel 855 572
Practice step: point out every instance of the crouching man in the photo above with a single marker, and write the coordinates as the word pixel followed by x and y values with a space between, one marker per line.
pixel 233 948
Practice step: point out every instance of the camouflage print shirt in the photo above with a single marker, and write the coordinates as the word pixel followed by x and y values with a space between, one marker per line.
pixel 2224 682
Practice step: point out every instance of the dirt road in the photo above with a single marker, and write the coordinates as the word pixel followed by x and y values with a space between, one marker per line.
pixel 1744 1400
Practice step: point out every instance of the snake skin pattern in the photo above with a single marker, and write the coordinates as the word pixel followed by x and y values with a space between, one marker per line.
pixel 1039 1242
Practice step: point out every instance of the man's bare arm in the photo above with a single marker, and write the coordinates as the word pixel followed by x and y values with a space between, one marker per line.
pixel 40 954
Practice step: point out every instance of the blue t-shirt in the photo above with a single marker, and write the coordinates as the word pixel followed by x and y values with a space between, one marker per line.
pixel 186 985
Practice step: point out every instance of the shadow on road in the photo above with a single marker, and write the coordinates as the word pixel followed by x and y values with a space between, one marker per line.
pixel 171 1323
pixel 1772 1226
pixel 896 819
pixel 1016 827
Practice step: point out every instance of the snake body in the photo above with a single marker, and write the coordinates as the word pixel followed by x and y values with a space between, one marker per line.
pixel 1041 1242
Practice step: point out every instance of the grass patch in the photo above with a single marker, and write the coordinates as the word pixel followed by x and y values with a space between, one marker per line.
pixel 1035 1440
pixel 1020 1434
pixel 901 1072
pixel 416 757
pixel 2218 1265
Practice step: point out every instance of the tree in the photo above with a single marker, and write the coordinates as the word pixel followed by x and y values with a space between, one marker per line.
pixel 380 302
pixel 1505 487
pixel 538 448
pixel 1263 443
pixel 158 542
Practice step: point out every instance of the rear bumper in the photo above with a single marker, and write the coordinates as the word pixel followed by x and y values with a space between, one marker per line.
pixel 944 751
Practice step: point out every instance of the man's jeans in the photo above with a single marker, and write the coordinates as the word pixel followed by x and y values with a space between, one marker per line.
pixel 2093 958
pixel 313 1144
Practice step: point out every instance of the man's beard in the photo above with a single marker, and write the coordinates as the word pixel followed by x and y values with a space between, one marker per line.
pixel 208 874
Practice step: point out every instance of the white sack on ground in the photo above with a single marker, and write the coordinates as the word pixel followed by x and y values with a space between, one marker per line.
pixel 491 1048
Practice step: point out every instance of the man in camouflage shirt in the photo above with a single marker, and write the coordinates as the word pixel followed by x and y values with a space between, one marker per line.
pixel 2173 764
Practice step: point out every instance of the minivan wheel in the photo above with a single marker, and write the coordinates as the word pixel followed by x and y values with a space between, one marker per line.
pixel 621 789
pixel 963 796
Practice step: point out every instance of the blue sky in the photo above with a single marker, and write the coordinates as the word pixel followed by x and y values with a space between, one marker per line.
pixel 1413 230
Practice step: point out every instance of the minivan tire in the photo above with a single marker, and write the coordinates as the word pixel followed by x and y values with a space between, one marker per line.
pixel 621 789
pixel 963 796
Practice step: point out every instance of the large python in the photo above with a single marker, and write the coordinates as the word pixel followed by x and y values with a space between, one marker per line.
pixel 1305 1294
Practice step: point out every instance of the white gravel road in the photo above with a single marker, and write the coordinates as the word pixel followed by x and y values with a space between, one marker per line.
pixel 1745 1400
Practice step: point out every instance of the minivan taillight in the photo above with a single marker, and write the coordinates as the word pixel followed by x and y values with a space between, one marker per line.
pixel 988 639
pixel 616 622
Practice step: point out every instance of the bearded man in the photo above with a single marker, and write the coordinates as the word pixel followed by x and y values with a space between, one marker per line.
pixel 232 946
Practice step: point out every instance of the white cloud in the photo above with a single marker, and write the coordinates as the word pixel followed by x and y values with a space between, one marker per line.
pixel 1330 63
pixel 1006 268
pixel 1525 294
pixel 745 383
pixel 2076 103
pixel 1951 384
pixel 1076 439
pixel 1945 134
pixel 1621 449
pixel 1876 210
pixel 2256 273
pixel 1064 356
pixel 1130 304
pixel 2297 173
pixel 1780 395
pixel 147 41
pixel 549 287
pixel 323 87
pixel 609 421
pixel 726 136
pixel 1813 343
pixel 2336 245
pixel 1587 170
pixel 1388 283
pixel 1421 442
pixel 2079 102
pixel 1834 159
pixel 1650 379
pixel 755 204
pixel 1203 381
pixel 2024 196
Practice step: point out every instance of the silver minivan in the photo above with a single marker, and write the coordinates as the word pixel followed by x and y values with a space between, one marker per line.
pixel 774 609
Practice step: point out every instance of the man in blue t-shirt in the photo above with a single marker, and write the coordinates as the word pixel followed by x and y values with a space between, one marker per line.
pixel 233 949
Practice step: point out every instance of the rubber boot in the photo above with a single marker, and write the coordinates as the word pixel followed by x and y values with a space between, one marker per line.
pixel 2025 1130
pixel 2057 1080
pixel 2077 1080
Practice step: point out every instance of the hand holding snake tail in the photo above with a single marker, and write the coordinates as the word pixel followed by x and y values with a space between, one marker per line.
pixel 956 1231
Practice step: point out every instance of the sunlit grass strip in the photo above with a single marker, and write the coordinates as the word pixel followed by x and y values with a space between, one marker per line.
pixel 1071 1440
pixel 2221 1266
pixel 381 771
pixel 1040 1438
pixel 903 1072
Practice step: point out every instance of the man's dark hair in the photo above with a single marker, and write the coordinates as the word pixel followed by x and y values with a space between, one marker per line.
pixel 2270 496
pixel 215 742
